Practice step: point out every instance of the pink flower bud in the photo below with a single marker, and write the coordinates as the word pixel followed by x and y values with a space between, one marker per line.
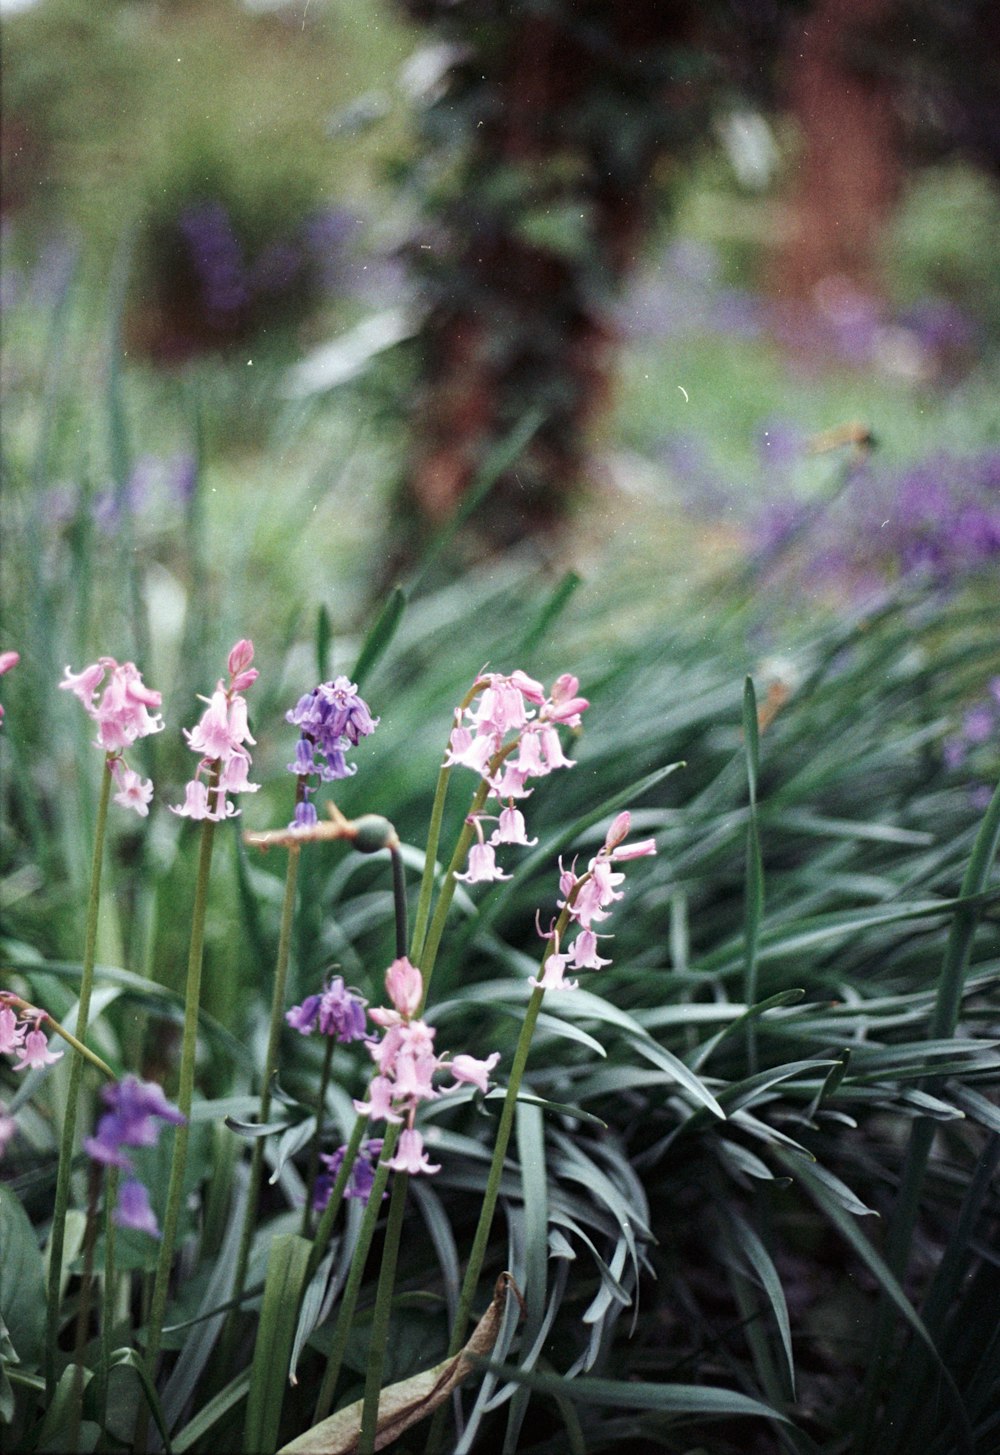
pixel 618 830
pixel 405 986
pixel 240 657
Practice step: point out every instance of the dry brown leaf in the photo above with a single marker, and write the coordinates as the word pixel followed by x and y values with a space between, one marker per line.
pixel 411 1400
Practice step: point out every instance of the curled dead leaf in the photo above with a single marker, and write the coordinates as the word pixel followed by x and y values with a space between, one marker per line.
pixel 411 1400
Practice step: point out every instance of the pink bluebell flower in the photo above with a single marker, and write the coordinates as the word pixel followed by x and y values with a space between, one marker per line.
pixel 35 1051
pixel 410 1156
pixel 483 868
pixel 11 1031
pixel 406 1064
pixel 122 714
pixel 219 738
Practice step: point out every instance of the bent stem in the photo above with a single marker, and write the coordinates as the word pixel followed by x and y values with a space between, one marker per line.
pixel 57 1238
pixel 185 1096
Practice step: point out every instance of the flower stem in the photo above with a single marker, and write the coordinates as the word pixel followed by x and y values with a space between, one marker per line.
pixel 108 1303
pixel 270 1064
pixel 380 1317
pixel 430 859
pixel 185 1096
pixel 349 1298
pixel 433 838
pixel 317 1141
pixel 329 1215
pixel 57 1238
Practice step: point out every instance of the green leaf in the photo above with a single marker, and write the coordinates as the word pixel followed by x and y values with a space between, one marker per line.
pixel 22 1281
pixel 664 1399
pixel 210 1414
pixel 830 1205
pixel 380 636
pixel 286 1270
pixel 324 636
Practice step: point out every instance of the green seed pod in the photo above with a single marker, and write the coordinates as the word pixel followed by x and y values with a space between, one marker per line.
pixel 373 832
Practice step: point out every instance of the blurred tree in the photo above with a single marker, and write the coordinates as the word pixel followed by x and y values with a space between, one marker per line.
pixel 549 134
pixel 848 171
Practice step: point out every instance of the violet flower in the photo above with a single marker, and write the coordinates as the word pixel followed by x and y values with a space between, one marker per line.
pixel 134 1109
pixel 332 718
pixel 336 1012
pixel 361 1180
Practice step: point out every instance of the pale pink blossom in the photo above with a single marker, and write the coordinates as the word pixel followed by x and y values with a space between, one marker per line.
pixel 234 775
pixel 553 750
pixel 410 1156
pixel 35 1052
pixel 511 828
pixel 379 1104
pixel 466 751
pixel 11 1031
pixel 195 803
pixel 640 850
pixel 413 1077
pixel 470 1071
pixel 134 791
pixel 584 952
pixel 483 867
pixel 241 674
pixel 529 757
pixel 553 974
pixel 511 783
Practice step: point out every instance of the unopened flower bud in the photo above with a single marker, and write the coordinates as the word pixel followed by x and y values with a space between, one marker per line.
pixel 373 832
pixel 618 830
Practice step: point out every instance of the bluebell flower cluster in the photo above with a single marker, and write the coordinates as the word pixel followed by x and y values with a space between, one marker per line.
pixel 331 719
pixel 336 1011
pixel 359 1184
pixel 134 1109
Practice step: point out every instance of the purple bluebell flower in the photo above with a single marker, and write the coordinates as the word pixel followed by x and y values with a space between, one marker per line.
pixel 361 1180
pixel 133 1210
pixel 336 1011
pixel 331 718
pixel 134 1108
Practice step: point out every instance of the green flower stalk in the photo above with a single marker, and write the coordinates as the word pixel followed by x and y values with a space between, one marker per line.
pixel 219 738
pixel 121 714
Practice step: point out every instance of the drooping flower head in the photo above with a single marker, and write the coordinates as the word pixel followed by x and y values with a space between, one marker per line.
pixel 331 719
pixel 122 714
pixel 587 900
pixel 220 738
pixel 506 732
pixel 21 1033
pixel 406 1064
pixel 336 1012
